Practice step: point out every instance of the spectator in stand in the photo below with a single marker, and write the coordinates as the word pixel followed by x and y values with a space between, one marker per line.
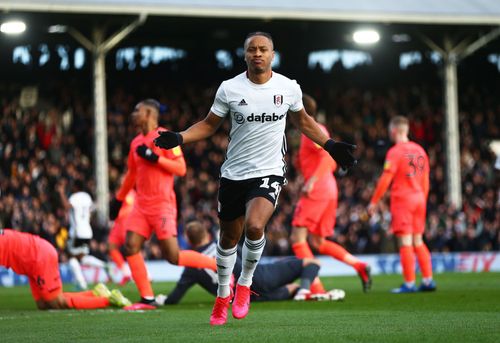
pixel 29 171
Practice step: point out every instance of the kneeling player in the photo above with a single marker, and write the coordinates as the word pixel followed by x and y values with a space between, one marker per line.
pixel 36 258
pixel 272 281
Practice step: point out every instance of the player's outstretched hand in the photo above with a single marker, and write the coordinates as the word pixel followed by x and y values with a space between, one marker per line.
pixel 168 139
pixel 146 153
pixel 114 208
pixel 341 153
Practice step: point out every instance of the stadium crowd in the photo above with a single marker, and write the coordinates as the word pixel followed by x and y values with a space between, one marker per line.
pixel 46 147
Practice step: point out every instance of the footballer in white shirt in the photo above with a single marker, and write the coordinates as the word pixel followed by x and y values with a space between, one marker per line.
pixel 257 102
pixel 80 207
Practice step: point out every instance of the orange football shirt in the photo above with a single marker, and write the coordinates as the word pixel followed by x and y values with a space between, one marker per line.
pixel 409 164
pixel 154 186
pixel 19 251
pixel 309 158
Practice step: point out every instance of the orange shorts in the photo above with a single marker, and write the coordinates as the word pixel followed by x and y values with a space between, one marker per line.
pixel 318 216
pixel 118 234
pixel 45 280
pixel 163 223
pixel 408 218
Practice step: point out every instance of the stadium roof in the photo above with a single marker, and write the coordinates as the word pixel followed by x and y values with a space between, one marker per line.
pixel 477 12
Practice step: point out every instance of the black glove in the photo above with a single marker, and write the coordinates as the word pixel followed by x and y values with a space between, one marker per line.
pixel 114 208
pixel 341 153
pixel 146 153
pixel 168 139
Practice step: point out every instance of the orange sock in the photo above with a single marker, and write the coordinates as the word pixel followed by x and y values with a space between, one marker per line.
pixel 140 275
pixel 194 259
pixel 407 263
pixel 317 286
pixel 333 249
pixel 78 301
pixel 303 250
pixel 117 258
pixel 424 260
pixel 338 252
pixel 83 294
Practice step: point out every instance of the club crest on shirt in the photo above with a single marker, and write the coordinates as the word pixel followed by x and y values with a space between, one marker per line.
pixel 278 100
pixel 40 281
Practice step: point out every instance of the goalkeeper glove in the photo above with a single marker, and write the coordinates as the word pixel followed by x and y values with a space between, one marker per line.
pixel 146 153
pixel 114 208
pixel 168 139
pixel 341 153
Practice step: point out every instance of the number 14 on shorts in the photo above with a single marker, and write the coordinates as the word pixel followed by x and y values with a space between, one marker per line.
pixel 275 185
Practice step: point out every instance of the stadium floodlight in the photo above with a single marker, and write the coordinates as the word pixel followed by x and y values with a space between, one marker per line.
pixel 13 27
pixel 367 36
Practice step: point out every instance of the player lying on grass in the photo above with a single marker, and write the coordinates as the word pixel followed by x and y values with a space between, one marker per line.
pixel 272 281
pixel 36 258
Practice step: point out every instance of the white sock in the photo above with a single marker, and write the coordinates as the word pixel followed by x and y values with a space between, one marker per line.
pixel 427 280
pixel 93 261
pixel 126 271
pixel 252 251
pixel 76 269
pixel 226 259
pixel 410 284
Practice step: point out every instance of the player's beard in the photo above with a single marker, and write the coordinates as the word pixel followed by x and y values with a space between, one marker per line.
pixel 258 70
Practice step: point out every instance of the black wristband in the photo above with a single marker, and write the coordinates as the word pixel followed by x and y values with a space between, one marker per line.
pixel 179 138
pixel 329 144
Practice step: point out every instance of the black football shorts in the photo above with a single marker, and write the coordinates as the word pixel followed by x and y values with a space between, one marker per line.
pixel 235 194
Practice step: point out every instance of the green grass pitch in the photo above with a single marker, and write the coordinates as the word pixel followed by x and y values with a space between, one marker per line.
pixel 466 308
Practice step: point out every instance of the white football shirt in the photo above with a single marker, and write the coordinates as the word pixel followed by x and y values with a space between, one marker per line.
pixel 257 142
pixel 79 217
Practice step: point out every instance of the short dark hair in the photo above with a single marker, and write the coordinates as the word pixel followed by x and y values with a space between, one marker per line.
pixel 78 185
pixel 152 103
pixel 259 33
